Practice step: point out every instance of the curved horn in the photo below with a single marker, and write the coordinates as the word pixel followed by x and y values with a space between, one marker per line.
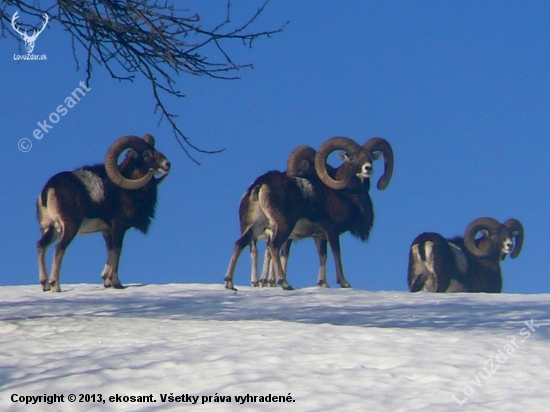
pixel 378 144
pixel 301 162
pixel 481 223
pixel 513 226
pixel 334 143
pixel 111 162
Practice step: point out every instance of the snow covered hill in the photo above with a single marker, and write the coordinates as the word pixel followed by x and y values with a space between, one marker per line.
pixel 313 349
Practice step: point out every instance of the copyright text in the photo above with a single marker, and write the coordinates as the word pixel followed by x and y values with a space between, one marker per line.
pixel 163 398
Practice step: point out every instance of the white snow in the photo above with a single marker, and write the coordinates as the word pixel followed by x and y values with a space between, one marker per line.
pixel 331 350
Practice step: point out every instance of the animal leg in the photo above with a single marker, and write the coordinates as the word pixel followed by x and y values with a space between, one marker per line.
pixel 254 259
pixel 334 241
pixel 277 267
pixel 285 252
pixel 108 270
pixel 281 228
pixel 114 257
pixel 69 232
pixel 415 279
pixel 240 244
pixel 274 246
pixel 49 236
pixel 321 244
pixel 268 276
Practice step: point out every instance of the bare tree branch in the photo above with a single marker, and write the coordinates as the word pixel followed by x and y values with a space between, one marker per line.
pixel 149 38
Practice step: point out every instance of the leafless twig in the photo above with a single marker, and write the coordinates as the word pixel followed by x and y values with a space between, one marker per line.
pixel 154 39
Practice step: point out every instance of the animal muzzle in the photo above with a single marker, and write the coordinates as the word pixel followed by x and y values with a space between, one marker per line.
pixel 164 167
pixel 507 247
pixel 366 171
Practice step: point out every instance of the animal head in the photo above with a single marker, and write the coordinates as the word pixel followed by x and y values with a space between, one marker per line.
pixel 29 40
pixel 358 162
pixel 497 239
pixel 142 155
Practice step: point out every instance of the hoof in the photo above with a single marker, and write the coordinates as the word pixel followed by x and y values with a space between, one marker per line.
pixel 323 284
pixel 345 285
pixel 45 286
pixel 106 280
pixel 229 285
pixel 55 287
pixel 256 284
pixel 285 285
pixel 263 283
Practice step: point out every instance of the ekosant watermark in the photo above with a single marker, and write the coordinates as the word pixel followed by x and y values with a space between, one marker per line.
pixel 70 101
pixel 501 356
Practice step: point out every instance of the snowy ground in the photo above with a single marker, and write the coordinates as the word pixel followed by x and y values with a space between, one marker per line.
pixel 333 350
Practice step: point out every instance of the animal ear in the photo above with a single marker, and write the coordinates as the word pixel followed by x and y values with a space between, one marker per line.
pixel 344 156
pixel 131 154
pixel 147 154
pixel 515 233
pixel 484 233
pixel 377 155
pixel 149 139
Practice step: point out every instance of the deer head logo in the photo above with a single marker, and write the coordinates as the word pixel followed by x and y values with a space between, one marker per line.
pixel 29 40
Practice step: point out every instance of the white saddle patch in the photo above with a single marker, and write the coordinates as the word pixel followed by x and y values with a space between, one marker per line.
pixel 305 186
pixel 460 258
pixel 93 184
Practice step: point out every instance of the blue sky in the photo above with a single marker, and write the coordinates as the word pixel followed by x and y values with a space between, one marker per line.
pixel 460 90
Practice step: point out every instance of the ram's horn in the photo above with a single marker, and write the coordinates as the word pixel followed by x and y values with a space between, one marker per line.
pixel 378 144
pixel 111 162
pixel 516 229
pixel 334 143
pixel 301 162
pixel 482 223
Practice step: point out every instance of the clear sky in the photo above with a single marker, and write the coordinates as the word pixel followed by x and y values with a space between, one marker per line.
pixel 461 90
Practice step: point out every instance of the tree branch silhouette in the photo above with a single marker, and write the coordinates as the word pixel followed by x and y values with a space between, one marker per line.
pixel 154 39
